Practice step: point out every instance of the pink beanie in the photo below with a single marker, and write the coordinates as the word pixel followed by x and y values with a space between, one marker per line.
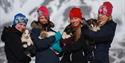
pixel 42 10
pixel 106 9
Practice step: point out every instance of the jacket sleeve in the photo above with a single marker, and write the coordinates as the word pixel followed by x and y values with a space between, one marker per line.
pixel 41 44
pixel 3 34
pixel 106 33
pixel 14 44
pixel 72 46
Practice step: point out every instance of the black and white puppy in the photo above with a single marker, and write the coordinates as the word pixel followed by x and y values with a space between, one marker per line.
pixel 94 24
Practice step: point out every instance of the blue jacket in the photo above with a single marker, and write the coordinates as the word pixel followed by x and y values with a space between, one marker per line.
pixel 43 52
pixel 104 35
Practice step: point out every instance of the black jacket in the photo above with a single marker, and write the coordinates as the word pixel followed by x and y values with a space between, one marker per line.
pixel 13 46
pixel 74 52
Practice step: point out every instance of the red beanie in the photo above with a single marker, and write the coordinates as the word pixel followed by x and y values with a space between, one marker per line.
pixel 75 12
pixel 106 9
pixel 42 10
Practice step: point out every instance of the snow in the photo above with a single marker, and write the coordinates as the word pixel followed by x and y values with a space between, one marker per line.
pixel 59 15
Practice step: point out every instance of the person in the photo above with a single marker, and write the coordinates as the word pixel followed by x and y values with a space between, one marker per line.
pixel 12 37
pixel 73 43
pixel 45 52
pixel 103 33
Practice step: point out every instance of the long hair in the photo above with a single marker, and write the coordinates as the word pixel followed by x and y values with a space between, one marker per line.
pixel 74 32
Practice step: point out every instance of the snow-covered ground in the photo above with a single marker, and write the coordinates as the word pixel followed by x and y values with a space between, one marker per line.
pixel 59 15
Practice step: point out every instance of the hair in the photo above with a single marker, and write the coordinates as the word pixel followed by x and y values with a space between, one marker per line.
pixel 77 33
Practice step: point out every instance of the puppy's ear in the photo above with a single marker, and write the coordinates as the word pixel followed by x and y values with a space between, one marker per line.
pixel 51 24
pixel 24 32
pixel 29 31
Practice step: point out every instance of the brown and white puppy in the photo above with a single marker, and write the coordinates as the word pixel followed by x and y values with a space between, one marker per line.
pixel 46 34
pixel 44 29
pixel 27 43
pixel 26 38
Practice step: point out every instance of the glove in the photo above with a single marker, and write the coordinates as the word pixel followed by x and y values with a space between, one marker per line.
pixel 58 36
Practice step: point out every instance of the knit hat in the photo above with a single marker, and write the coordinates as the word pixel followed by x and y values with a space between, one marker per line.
pixel 75 12
pixel 19 18
pixel 42 10
pixel 106 9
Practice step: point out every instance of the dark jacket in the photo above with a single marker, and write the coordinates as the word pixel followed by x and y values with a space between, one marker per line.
pixel 13 46
pixel 102 40
pixel 74 52
pixel 43 52
pixel 105 35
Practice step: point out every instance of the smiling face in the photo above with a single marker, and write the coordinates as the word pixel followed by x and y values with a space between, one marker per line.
pixel 75 21
pixel 103 18
pixel 21 27
pixel 105 12
pixel 43 20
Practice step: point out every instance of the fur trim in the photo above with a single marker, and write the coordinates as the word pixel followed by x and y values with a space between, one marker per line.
pixel 36 24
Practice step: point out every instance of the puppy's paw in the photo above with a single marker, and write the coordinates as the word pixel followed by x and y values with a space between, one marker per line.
pixel 50 34
pixel 64 35
pixel 43 35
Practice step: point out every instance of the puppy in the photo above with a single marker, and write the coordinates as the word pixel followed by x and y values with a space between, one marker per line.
pixel 65 35
pixel 94 24
pixel 56 45
pixel 44 29
pixel 45 34
pixel 68 32
pixel 26 38
pixel 27 43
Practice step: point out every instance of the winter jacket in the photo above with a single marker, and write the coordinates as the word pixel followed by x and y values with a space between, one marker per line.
pixel 13 46
pixel 74 52
pixel 102 40
pixel 44 54
pixel 105 35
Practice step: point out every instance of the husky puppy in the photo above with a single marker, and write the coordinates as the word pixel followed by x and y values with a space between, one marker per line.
pixel 27 43
pixel 45 34
pixel 94 24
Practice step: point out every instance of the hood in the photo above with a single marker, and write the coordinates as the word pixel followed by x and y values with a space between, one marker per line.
pixel 36 24
pixel 7 31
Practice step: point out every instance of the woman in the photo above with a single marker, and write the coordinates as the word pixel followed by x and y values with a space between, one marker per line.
pixel 44 51
pixel 73 39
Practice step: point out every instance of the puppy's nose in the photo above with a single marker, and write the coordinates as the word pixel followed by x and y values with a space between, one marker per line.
pixel 27 37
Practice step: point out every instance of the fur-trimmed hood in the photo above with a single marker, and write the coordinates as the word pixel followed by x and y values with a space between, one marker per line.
pixel 36 24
